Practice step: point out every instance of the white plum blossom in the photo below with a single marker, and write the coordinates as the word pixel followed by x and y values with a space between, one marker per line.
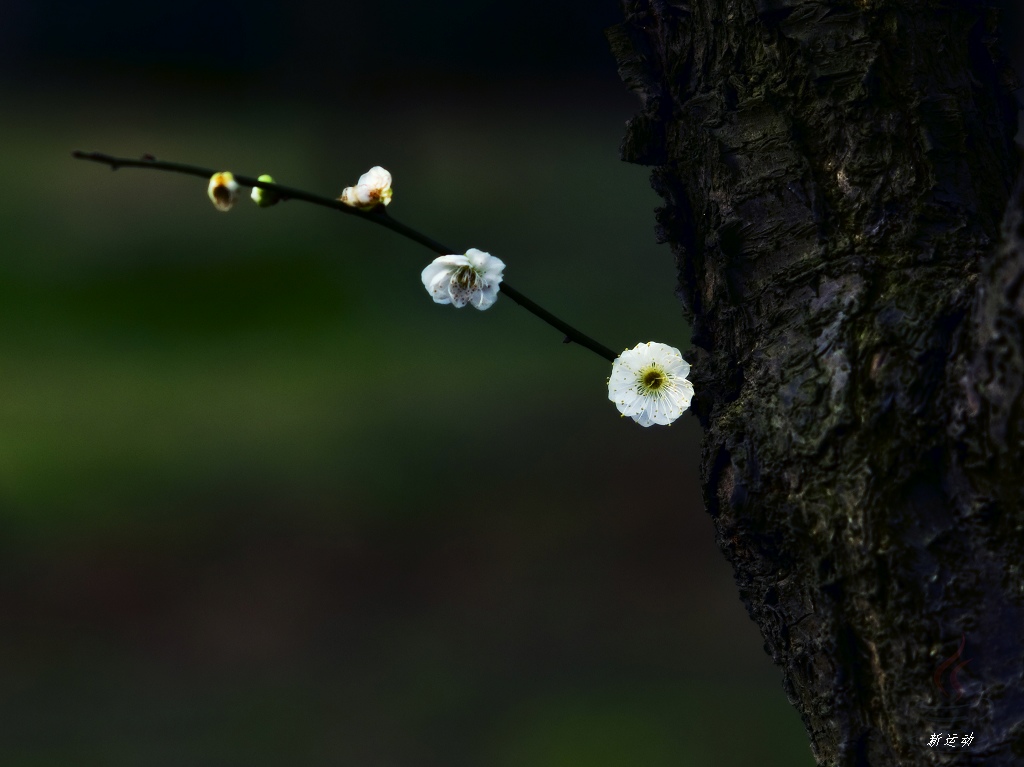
pixel 373 187
pixel 460 280
pixel 223 190
pixel 648 384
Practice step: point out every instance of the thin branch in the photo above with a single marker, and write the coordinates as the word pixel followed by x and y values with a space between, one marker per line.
pixel 376 215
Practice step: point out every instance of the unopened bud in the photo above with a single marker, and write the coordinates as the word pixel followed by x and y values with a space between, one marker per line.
pixel 223 190
pixel 373 188
pixel 265 197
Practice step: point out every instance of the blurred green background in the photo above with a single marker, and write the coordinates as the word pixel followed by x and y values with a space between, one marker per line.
pixel 261 501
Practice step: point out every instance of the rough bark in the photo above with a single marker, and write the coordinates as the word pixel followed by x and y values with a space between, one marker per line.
pixel 834 177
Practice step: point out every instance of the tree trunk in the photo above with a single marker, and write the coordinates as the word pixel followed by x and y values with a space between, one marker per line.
pixel 834 177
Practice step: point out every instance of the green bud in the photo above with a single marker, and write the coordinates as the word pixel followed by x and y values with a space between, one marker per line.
pixel 264 197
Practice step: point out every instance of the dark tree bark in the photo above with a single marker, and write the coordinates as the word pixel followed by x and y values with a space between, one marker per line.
pixel 835 174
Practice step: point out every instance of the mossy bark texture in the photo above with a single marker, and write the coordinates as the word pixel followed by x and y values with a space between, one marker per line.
pixel 835 176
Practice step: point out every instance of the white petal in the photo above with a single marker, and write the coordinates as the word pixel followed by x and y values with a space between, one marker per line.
pixel 440 295
pixel 662 350
pixel 642 355
pixel 493 277
pixel 485 297
pixel 459 295
pixel 431 271
pixel 679 368
pixel 643 418
pixel 673 411
pixel 685 388
pixel 660 413
pixel 681 395
pixel 487 266
pixel 453 261
pixel 623 375
pixel 631 359
pixel 621 394
pixel 478 259
pixel 619 386
pixel 675 401
pixel 440 281
pixel 363 193
pixel 376 178
pixel 439 288
pixel 437 277
pixel 625 370
pixel 632 406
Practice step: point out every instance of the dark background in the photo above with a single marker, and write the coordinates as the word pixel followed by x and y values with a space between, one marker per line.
pixel 261 501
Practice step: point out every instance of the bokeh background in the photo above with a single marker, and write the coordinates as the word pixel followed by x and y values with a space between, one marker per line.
pixel 261 501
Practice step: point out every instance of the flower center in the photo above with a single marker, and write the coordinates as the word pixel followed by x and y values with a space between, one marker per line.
pixel 465 277
pixel 653 379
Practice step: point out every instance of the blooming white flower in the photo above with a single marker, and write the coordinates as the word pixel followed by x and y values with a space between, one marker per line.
pixel 648 384
pixel 460 280
pixel 264 198
pixel 223 190
pixel 373 187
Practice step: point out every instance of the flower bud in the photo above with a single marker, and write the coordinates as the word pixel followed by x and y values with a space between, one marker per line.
pixel 373 188
pixel 264 198
pixel 223 190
